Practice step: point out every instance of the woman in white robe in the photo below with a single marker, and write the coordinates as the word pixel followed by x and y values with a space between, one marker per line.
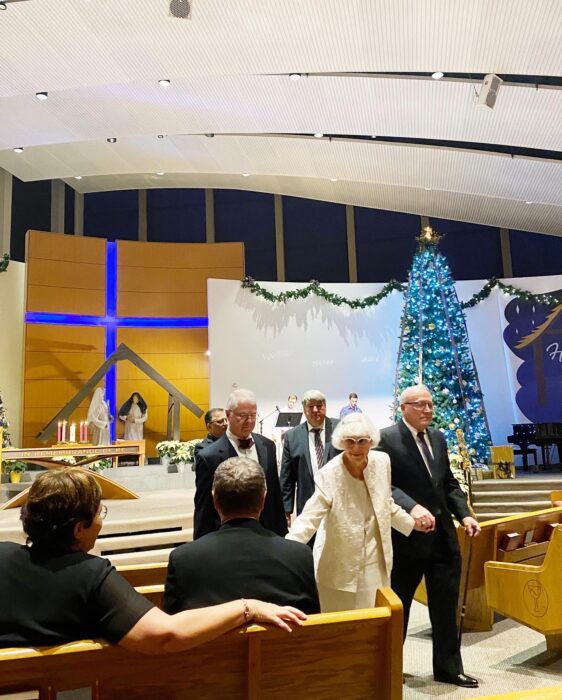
pixel 134 414
pixel 353 511
pixel 99 419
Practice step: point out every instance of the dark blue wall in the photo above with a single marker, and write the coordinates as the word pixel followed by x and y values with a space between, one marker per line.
pixel 315 241
pixel 176 215
pixel 533 254
pixel 112 215
pixel 69 203
pixel 31 209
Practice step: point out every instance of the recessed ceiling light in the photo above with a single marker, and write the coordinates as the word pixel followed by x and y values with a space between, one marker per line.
pixel 209 136
pixel 295 76
pixel 160 173
pixel 160 136
pixel 18 149
pixel 528 202
pixel 333 179
pixel 245 174
pixel 78 177
pixel 164 82
pixel 41 95
pixel 112 140
pixel 3 6
pixel 437 75
pixel 318 135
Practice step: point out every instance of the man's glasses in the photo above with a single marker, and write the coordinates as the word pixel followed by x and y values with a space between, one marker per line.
pixel 361 442
pixel 221 421
pixel 245 416
pixel 420 405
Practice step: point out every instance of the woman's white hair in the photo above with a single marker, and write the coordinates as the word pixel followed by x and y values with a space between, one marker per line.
pixel 355 425
pixel 239 396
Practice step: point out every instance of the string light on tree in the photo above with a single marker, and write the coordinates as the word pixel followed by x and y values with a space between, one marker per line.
pixel 435 350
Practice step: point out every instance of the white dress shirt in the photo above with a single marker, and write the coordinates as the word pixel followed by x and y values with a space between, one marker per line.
pixel 252 453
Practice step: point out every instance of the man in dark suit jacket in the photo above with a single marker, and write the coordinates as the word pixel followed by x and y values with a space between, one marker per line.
pixel 242 559
pixel 241 413
pixel 301 447
pixel 215 421
pixel 423 484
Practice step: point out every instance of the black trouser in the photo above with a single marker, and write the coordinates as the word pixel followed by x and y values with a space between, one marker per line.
pixel 442 578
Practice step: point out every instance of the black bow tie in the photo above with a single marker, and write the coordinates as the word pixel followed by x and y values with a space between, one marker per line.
pixel 245 443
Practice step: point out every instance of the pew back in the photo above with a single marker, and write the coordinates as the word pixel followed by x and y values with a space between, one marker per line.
pixel 355 654
pixel 144 574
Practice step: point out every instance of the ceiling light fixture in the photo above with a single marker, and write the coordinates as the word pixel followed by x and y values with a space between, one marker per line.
pixel 528 202
pixel 437 75
pixel 333 179
pixel 164 82
pixel 160 136
pixel 160 174
pixel 245 174
pixel 78 177
pixel 295 76
pixel 3 6
pixel 41 95
pixel 18 149
pixel 112 140
pixel 209 136
pixel 318 135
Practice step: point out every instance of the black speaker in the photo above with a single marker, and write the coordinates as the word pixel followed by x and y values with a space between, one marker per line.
pixel 180 9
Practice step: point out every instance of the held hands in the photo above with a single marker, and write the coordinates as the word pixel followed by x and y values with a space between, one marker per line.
pixel 288 517
pixel 280 616
pixel 471 526
pixel 424 520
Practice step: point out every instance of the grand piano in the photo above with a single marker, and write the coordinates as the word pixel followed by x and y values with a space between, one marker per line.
pixel 541 434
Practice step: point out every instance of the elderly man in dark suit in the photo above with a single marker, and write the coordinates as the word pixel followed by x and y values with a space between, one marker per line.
pixel 423 484
pixel 239 440
pixel 306 449
pixel 242 559
pixel 215 422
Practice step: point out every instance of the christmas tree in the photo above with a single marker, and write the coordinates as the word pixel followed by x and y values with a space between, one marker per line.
pixel 6 442
pixel 435 351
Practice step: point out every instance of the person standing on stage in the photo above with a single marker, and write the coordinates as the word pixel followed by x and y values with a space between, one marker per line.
pixel 134 414
pixel 291 406
pixel 306 449
pixel 423 484
pixel 351 407
pixel 239 440
pixel 215 421
pixel 99 419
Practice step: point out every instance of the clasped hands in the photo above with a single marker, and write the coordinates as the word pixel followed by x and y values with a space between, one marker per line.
pixel 424 521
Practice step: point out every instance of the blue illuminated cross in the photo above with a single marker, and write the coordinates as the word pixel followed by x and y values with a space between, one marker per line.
pixel 111 322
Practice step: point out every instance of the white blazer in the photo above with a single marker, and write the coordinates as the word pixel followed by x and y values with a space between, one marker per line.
pixel 339 554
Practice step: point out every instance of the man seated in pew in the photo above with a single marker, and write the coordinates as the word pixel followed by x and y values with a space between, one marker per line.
pixel 242 558
pixel 53 592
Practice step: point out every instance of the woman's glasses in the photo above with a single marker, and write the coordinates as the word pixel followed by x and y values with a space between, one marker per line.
pixel 361 442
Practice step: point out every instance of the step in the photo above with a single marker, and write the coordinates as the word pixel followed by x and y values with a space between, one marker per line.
pixel 155 540
pixel 502 506
pixel 490 515
pixel 513 495
pixel 533 484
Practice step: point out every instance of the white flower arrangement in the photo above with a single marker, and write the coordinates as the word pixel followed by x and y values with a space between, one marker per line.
pixel 458 471
pixel 177 451
pixel 65 460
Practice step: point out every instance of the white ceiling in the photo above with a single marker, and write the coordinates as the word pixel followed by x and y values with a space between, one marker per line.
pixel 100 61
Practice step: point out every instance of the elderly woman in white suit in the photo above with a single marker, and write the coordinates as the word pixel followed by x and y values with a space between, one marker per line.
pixel 353 511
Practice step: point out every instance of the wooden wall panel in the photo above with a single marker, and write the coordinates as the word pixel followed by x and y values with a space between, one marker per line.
pixel 213 256
pixel 161 305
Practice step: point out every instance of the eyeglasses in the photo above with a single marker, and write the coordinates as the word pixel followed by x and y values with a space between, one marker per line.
pixel 245 416
pixel 361 442
pixel 420 405
pixel 222 421
pixel 102 511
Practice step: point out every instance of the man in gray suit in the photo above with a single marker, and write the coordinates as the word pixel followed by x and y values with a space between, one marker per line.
pixel 306 449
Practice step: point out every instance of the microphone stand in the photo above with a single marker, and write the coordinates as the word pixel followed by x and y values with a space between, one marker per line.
pixel 275 410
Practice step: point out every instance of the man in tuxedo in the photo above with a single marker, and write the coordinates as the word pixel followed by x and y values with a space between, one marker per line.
pixel 242 559
pixel 239 440
pixel 423 484
pixel 306 448
pixel 215 421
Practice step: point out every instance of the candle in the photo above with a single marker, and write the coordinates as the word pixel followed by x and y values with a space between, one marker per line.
pixel 63 432
pixel 72 433
pixel 59 431
pixel 85 431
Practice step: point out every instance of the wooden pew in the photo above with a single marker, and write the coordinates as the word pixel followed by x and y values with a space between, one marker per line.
pixel 530 594
pixel 354 655
pixel 144 574
pixel 556 498
pixel 487 547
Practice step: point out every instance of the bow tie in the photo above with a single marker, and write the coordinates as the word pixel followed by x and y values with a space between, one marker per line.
pixel 245 443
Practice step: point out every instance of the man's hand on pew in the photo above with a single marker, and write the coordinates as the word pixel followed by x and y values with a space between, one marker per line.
pixel 270 614
pixel 471 526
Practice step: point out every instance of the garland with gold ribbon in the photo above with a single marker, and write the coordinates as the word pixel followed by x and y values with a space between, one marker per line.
pixel 314 288
pixel 4 262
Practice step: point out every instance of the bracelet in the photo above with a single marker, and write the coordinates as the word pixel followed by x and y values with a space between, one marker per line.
pixel 247 612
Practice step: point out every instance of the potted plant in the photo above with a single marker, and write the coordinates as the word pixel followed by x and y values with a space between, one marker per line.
pixel 14 469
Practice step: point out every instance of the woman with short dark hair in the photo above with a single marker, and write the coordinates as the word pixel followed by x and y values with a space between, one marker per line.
pixel 52 591
pixel 134 414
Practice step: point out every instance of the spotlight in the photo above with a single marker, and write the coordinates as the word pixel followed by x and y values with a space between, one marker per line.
pixel 437 75
pixel 18 149
pixel 318 135
pixel 112 140
pixel 41 95
pixel 295 76
pixel 164 82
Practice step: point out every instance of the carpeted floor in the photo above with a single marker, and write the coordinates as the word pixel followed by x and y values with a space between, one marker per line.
pixel 510 657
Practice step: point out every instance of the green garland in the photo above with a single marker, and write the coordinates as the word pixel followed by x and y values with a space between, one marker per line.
pixel 314 288
pixel 4 262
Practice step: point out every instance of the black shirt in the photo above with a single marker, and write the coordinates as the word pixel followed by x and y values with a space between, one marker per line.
pixel 54 599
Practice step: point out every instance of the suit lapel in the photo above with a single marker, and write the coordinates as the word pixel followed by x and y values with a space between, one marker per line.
pixel 261 450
